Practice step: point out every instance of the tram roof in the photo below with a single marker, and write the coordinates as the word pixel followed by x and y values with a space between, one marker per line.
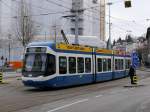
pixel 70 47
pixel 43 43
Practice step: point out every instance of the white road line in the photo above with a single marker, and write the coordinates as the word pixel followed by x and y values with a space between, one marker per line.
pixel 98 96
pixel 68 105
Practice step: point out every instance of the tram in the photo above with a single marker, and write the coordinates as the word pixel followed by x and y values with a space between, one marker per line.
pixel 51 65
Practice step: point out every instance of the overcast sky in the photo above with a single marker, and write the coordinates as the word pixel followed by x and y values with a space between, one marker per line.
pixel 123 19
pixel 131 20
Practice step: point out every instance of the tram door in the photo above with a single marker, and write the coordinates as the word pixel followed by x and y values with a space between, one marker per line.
pixel 104 67
pixel 94 65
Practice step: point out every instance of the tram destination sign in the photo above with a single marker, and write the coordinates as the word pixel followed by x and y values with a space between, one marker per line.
pixel 36 50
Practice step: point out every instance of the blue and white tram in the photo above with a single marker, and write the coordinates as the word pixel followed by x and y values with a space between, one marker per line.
pixel 47 64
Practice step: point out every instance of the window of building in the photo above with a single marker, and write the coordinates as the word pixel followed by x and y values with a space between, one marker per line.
pixel 80 31
pixel 80 62
pixel 72 65
pixel 62 65
pixel 100 65
pixel 73 31
pixel 87 65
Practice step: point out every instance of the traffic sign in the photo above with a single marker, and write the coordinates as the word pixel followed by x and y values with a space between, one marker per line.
pixel 135 59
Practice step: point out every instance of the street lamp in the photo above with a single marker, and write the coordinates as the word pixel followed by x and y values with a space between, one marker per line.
pixel 10 45
pixel 109 4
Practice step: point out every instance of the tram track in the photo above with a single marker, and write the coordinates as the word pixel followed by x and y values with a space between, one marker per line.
pixel 15 96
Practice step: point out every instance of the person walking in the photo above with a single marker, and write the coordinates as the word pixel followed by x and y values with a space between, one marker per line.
pixel 132 74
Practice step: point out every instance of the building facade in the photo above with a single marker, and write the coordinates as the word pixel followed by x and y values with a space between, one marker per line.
pixel 51 16
pixel 89 18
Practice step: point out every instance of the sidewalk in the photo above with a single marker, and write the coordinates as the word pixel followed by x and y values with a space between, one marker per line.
pixel 11 74
pixel 144 69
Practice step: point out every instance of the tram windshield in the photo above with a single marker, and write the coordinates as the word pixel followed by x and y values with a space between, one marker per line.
pixel 35 62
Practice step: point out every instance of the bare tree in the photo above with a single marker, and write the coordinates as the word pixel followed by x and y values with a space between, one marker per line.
pixel 25 25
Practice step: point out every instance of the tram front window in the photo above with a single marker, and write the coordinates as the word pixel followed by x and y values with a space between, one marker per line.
pixel 39 65
pixel 35 63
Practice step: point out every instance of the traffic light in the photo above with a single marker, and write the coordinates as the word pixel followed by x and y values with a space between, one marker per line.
pixel 127 3
pixel 148 33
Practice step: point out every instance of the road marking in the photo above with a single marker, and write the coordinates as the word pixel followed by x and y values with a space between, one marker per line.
pixel 68 105
pixel 98 96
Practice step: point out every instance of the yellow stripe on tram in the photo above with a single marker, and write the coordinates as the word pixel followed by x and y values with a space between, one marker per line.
pixel 62 46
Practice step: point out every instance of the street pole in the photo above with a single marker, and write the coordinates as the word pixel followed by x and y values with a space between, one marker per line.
pixel 148 42
pixel 45 35
pixel 102 20
pixel 109 4
pixel 9 47
pixel 148 49
pixel 0 19
pixel 9 51
pixel 76 27
pixel 55 33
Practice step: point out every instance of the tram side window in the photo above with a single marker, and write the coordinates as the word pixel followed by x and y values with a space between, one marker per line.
pixel 80 65
pixel 128 64
pixel 87 65
pixel 121 64
pixel 116 64
pixel 99 62
pixel 62 65
pixel 104 64
pixel 72 65
pixel 109 64
pixel 51 68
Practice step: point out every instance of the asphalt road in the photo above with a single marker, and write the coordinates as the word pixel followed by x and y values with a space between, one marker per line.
pixel 102 97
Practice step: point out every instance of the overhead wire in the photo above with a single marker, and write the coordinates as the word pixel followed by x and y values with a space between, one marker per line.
pixel 57 4
pixel 60 5
pixel 42 14
pixel 36 6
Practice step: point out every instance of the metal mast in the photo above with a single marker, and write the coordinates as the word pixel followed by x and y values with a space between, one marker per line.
pixel 109 4
pixel 76 27
pixel 102 20
pixel 76 9
pixel 1 19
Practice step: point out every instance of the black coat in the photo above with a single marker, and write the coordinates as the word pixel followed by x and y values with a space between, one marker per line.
pixel 131 71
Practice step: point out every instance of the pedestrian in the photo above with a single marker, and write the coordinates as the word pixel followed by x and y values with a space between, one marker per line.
pixel 132 74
